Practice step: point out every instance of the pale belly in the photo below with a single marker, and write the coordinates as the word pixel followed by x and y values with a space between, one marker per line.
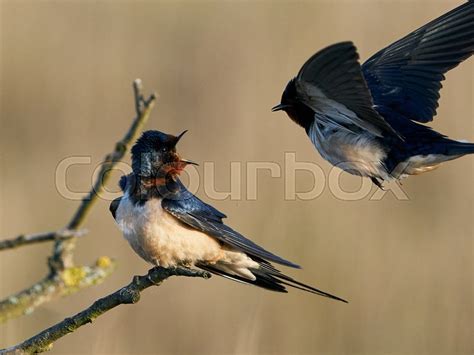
pixel 163 240
pixel 357 154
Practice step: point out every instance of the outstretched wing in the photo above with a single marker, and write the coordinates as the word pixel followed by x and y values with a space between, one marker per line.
pixel 192 211
pixel 332 78
pixel 406 76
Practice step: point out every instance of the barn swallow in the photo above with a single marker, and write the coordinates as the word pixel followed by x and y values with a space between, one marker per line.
pixel 369 119
pixel 168 226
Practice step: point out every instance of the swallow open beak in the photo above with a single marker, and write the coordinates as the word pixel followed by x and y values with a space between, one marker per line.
pixel 279 107
pixel 188 162
pixel 177 166
pixel 184 161
pixel 179 137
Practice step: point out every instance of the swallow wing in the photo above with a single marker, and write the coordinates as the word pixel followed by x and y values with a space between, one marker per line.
pixel 332 84
pixel 123 182
pixel 205 218
pixel 267 277
pixel 406 76
pixel 114 205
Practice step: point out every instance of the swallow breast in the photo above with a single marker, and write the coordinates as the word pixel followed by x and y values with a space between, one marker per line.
pixel 162 240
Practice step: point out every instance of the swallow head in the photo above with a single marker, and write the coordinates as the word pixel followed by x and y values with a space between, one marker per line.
pixel 288 98
pixel 154 155
pixel 294 107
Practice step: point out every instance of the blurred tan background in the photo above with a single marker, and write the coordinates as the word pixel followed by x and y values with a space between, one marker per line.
pixel 66 73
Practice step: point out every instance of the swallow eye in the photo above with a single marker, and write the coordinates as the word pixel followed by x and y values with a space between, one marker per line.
pixel 164 149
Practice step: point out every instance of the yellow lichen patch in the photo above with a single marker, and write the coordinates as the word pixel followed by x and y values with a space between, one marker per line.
pixel 104 262
pixel 73 276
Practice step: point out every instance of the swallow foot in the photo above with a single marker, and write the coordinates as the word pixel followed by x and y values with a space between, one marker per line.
pixel 378 183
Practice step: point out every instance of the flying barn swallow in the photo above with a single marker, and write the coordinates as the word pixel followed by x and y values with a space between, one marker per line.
pixel 369 119
pixel 168 226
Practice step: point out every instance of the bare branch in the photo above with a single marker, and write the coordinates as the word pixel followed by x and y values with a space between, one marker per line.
pixel 129 294
pixel 62 255
pixel 61 264
pixel 28 239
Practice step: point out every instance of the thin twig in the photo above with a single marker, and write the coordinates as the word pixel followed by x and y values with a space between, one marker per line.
pixel 28 239
pixel 64 277
pixel 129 294
pixel 62 253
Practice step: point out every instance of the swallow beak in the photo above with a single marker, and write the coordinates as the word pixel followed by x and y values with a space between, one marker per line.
pixel 279 107
pixel 179 137
pixel 177 166
pixel 188 162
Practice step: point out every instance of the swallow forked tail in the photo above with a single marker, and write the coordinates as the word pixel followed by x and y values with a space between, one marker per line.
pixel 269 278
pixel 448 149
pixel 458 149
pixel 431 157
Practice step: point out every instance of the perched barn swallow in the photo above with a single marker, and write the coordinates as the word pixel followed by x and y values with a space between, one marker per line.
pixel 168 226
pixel 369 119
